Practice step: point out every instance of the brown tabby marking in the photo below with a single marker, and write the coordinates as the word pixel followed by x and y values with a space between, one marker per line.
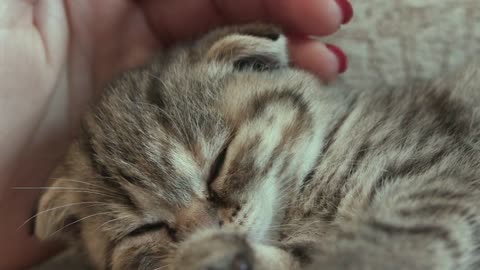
pixel 218 155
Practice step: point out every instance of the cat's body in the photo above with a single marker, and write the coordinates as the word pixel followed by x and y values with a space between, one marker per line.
pixel 220 156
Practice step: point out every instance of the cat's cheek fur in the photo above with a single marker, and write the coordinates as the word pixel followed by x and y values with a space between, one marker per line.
pixel 265 211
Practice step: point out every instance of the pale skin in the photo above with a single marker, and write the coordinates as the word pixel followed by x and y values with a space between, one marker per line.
pixel 56 55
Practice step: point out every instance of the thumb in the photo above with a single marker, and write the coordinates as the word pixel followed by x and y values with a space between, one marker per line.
pixel 33 49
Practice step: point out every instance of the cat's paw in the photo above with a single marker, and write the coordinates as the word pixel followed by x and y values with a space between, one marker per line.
pixel 215 251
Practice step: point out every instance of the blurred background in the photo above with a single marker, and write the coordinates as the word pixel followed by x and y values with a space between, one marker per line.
pixel 393 41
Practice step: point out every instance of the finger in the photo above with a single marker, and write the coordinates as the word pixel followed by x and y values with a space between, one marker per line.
pixel 234 11
pixel 309 17
pixel 38 17
pixel 16 14
pixel 108 35
pixel 326 61
pixel 51 23
pixel 178 20
pixel 23 55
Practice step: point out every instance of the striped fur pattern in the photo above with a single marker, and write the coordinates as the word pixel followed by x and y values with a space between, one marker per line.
pixel 219 155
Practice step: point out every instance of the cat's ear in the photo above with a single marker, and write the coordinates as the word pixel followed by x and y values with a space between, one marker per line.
pixel 257 47
pixel 55 218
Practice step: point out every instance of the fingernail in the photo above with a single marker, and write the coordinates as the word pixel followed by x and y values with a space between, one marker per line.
pixel 341 56
pixel 347 10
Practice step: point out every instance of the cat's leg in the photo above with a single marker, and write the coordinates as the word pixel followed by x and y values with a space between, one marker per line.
pixel 428 224
pixel 228 250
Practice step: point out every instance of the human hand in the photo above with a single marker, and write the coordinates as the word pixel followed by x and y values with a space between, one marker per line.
pixel 55 55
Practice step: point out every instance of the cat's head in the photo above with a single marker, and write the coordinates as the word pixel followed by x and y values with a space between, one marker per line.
pixel 217 133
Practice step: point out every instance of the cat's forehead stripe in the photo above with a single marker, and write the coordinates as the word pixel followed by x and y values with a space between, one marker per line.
pixel 106 176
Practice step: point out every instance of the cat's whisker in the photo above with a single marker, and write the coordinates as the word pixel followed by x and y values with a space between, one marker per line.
pixel 57 208
pixel 156 77
pixel 77 221
pixel 87 184
pixel 105 177
pixel 112 220
pixel 47 188
pixel 62 188
pixel 83 191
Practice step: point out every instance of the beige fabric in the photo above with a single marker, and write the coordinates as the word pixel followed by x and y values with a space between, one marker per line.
pixel 391 41
pixel 394 40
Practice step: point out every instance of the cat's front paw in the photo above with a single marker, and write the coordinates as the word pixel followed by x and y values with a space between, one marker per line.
pixel 215 251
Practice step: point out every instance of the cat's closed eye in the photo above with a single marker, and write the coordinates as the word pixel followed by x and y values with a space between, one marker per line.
pixel 152 227
pixel 146 228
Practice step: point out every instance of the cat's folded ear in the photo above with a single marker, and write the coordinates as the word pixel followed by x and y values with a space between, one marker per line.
pixel 55 218
pixel 258 47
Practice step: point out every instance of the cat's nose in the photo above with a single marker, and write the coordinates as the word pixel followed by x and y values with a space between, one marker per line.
pixel 241 262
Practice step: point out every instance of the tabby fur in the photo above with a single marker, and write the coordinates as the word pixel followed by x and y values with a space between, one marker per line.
pixel 220 155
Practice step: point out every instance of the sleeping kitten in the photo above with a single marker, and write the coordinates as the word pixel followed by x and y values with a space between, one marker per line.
pixel 219 155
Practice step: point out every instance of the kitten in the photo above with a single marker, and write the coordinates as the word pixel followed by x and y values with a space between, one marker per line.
pixel 219 155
